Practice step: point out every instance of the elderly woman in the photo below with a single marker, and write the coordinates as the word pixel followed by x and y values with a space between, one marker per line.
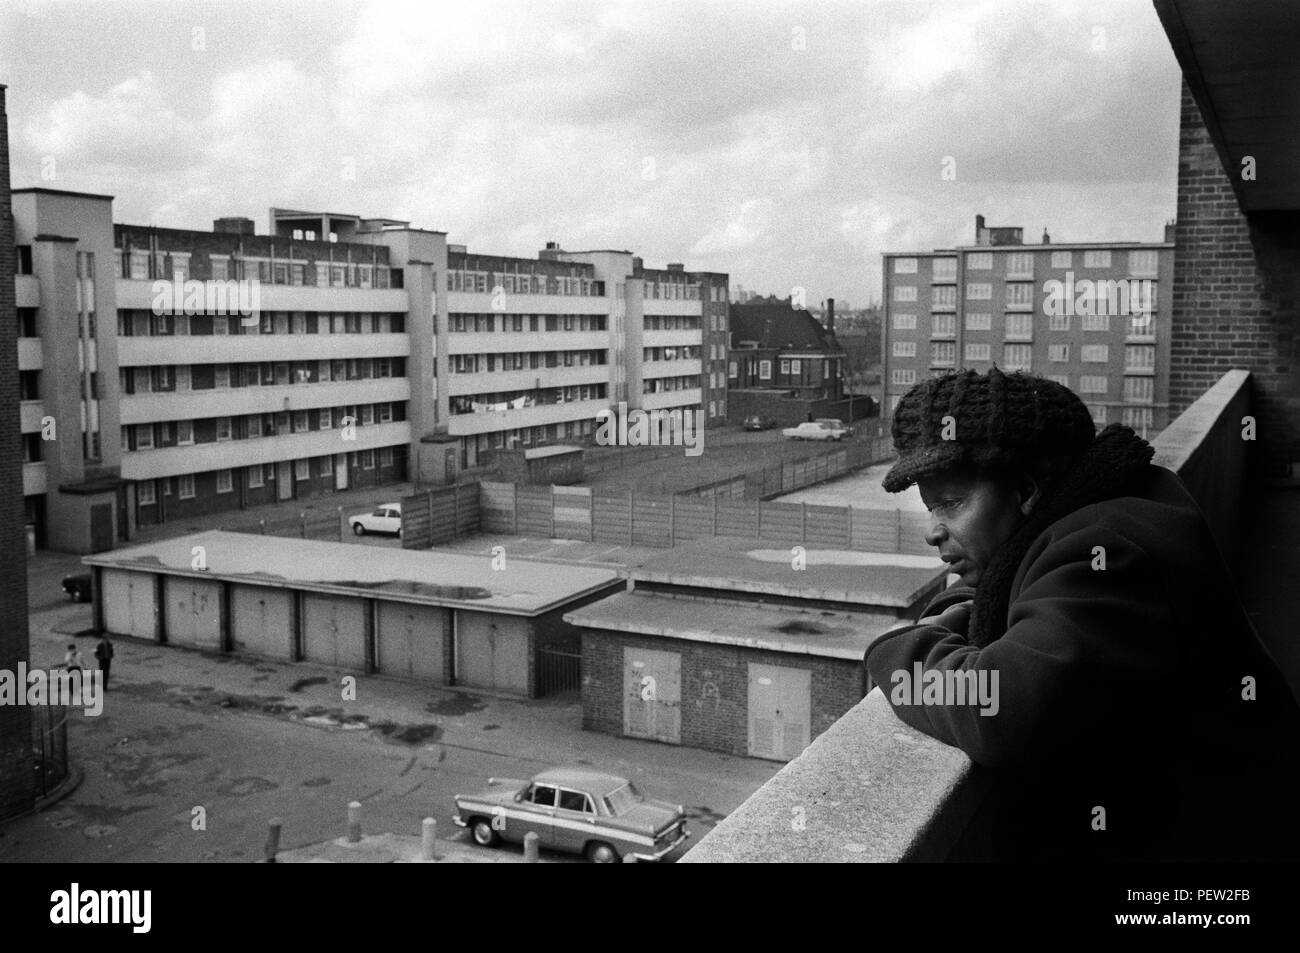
pixel 1136 714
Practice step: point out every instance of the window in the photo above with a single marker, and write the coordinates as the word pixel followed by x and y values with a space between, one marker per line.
pixel 326 418
pixel 386 455
pixel 184 432
pixel 945 269
pixel 1139 418
pixel 1094 384
pixel 302 469
pixel 904 292
pixel 225 481
pixel 1020 327
pixel 220 324
pixel 733 370
pixel 1142 326
pixel 1060 322
pixel 575 801
pixel 904 266
pixel 367 459
pixel 255 476
pixel 1020 295
pixel 223 428
pixel 904 349
pixel 385 413
pixel 1062 259
pixel 144 436
pixel 943 354
pixel 221 375
pixel 904 322
pixel 979 291
pixel 1096 322
pixel 1097 259
pixel 1094 353
pixel 1098 412
pixel 144 494
pixel 979 352
pixel 795 368
pixel 139 268
pixel 185 486
pixel 785 367
pixel 978 321
pixel 1062 379
pixel 1020 265
pixel 367 414
pixel 300 421
pixel 945 296
pixel 943 325
pixel 765 370
pixel 1058 353
pixel 1017 356
pixel 542 794
pixel 1139 357
pixel 904 376
pixel 979 261
pixel 1139 390
pixel 1145 262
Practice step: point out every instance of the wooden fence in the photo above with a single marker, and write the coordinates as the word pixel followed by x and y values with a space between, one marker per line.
pixel 436 516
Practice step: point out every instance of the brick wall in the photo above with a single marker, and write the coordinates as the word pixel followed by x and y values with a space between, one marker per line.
pixel 715 678
pixel 1234 297
pixel 16 781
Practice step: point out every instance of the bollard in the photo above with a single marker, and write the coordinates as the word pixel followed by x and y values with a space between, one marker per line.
pixel 273 840
pixel 343 523
pixel 354 822
pixel 428 833
pixel 302 517
pixel 530 847
pixel 262 524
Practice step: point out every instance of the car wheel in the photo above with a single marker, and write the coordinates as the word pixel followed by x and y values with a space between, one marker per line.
pixel 358 529
pixel 483 833
pixel 76 595
pixel 598 852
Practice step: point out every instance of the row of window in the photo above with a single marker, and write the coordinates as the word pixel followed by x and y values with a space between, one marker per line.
pixel 136 323
pixel 181 433
pixel 1020 264
pixel 502 401
pixel 484 282
pixel 1021 325
pixel 672 291
pixel 674 322
pixel 258 475
pixel 168 378
pixel 663 385
pixel 682 353
pixel 790 367
pixel 488 323
pixel 1136 389
pixel 1138 358
pixel 176 266
pixel 524 361
pixel 1020 294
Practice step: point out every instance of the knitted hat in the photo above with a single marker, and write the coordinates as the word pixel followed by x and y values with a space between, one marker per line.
pixel 992 419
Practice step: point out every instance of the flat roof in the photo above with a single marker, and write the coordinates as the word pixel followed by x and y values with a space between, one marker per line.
pixel 431 577
pixel 789 629
pixel 766 567
pixel 40 190
pixel 532 453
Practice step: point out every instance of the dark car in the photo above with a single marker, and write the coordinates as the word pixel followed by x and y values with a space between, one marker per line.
pixel 756 422
pixel 78 586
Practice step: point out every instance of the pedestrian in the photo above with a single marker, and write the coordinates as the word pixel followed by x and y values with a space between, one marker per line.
pixel 72 658
pixel 104 652
pixel 1137 715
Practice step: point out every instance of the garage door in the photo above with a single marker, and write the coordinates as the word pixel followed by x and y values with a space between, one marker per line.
pixel 411 641
pixel 652 695
pixel 780 706
pixel 262 621
pixel 334 630
pixel 193 612
pixel 492 652
pixel 128 601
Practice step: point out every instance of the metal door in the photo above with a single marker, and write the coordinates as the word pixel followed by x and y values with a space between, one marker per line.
pixel 101 527
pixel 284 480
pixel 780 710
pixel 652 695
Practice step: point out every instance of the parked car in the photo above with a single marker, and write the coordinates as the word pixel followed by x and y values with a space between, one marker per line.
pixel 835 422
pixel 78 585
pixel 756 422
pixel 387 518
pixel 814 430
pixel 600 815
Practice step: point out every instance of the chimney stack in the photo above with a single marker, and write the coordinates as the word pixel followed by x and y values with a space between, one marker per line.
pixel 830 315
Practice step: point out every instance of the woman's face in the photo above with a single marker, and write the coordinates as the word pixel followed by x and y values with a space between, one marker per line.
pixel 971 516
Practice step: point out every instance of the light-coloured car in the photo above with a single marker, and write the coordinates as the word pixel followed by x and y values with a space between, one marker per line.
pixel 386 518
pixel 600 815
pixel 814 430
pixel 835 422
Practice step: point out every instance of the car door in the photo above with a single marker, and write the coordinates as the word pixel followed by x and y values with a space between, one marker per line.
pixel 536 814
pixel 575 817
pixel 393 524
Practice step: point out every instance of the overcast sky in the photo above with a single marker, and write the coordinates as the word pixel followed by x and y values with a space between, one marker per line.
pixel 787 144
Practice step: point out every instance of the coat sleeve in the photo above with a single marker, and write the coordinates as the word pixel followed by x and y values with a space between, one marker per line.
pixel 1080 640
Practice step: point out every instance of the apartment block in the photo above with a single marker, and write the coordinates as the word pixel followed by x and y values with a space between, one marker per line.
pixel 1093 316
pixel 169 373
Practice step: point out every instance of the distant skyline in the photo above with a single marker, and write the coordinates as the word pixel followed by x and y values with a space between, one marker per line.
pixel 788 144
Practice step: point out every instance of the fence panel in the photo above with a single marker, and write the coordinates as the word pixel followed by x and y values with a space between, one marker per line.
pixel 610 518
pixel 572 512
pixel 828 525
pixel 782 522
pixel 534 511
pixel 651 521
pixel 497 507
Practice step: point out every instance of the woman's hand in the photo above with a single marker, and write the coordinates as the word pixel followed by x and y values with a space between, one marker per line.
pixel 955 618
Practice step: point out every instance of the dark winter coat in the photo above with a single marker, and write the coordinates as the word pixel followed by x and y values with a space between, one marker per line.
pixel 1119 688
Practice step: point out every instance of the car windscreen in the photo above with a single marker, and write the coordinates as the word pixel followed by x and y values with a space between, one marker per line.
pixel 622 799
